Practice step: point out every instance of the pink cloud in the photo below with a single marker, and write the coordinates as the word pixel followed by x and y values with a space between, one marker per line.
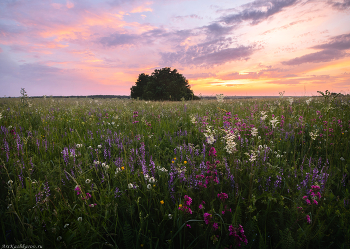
pixel 70 5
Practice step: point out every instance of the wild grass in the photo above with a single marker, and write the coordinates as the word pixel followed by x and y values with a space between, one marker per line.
pixel 266 173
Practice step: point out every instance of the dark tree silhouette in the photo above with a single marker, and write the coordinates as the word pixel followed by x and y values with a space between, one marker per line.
pixel 163 84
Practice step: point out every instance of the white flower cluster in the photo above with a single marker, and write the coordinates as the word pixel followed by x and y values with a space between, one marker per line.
pixel 104 165
pixel 314 135
pixel 162 169
pixel 230 142
pixel 252 156
pixel 308 101
pixel 277 153
pixel 130 185
pixel 265 147
pixel 209 134
pixel 291 100
pixel 220 97
pixel 274 122
pixel 117 170
pixel 263 115
pixel 193 119
pixel 254 131
pixel 79 145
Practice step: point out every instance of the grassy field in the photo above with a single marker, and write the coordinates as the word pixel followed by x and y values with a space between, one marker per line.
pixel 257 173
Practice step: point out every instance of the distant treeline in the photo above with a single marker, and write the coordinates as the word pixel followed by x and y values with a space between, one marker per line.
pixel 88 96
pixel 128 97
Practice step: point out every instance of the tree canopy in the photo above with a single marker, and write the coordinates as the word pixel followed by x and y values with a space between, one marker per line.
pixel 162 84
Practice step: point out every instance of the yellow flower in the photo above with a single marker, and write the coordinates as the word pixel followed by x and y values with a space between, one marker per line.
pixel 172 161
pixel 174 158
pixel 141 245
pixel 123 168
pixel 185 162
pixel 154 185
pixel 180 205
pixel 162 202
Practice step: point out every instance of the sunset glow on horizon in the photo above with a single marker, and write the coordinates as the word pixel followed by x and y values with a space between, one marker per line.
pixel 99 47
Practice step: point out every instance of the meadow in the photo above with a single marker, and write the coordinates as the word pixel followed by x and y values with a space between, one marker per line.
pixel 121 173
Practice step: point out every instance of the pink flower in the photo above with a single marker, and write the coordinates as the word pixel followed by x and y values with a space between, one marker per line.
pixel 308 202
pixel 215 226
pixel 222 196
pixel 207 218
pixel 188 225
pixel 77 189
pixel 212 151
pixel 315 202
pixel 188 200
pixel 308 219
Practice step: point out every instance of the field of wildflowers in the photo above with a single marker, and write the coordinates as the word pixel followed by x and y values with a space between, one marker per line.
pixel 258 173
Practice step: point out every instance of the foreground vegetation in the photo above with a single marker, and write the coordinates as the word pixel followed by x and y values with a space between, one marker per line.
pixel 82 173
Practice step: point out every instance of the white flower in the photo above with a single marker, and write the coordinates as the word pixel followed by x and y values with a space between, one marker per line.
pixel 254 131
pixel 193 119
pixel 209 134
pixel 117 170
pixel 274 121
pixel 146 177
pixel 99 146
pixel 313 135
pixel 149 186
pixel 220 97
pixel 65 226
pixel 152 180
pixel 79 145
pixel 170 216
pixel 87 181
pixel 263 115
pixel 342 158
pixel 308 101
pixel 230 143
pixel 80 218
pixel 130 185
pixel 96 162
pixel 59 238
pixel 9 182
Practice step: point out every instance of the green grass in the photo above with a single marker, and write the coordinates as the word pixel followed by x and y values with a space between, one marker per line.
pixel 49 147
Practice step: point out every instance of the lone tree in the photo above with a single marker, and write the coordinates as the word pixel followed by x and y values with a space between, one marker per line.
pixel 163 84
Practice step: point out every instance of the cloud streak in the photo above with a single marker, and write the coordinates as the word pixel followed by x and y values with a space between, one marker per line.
pixel 258 11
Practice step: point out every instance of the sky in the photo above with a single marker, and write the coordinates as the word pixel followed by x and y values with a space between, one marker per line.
pixel 230 47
